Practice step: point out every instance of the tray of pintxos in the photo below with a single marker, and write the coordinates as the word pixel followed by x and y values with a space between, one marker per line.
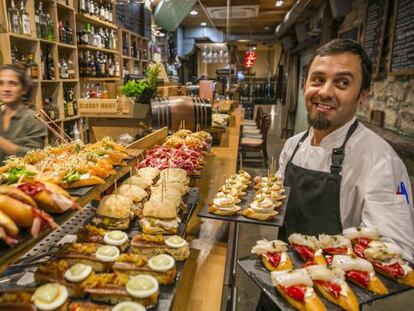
pixel 331 272
pixel 262 201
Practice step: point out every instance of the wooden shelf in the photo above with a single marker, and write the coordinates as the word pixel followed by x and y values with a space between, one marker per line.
pixel 69 80
pixel 126 57
pixel 50 81
pixel 61 5
pixel 100 79
pixel 91 47
pixel 21 36
pixel 95 20
pixel 67 46
pixel 47 41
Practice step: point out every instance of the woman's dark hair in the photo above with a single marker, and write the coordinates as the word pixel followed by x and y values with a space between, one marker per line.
pixel 339 46
pixel 23 79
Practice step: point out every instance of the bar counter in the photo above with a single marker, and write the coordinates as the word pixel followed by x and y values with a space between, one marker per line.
pixel 202 282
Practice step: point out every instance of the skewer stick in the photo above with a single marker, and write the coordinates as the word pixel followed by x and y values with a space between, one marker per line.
pixel 184 127
pixel 116 189
pixel 198 127
pixel 130 179
pixel 54 123
pixel 21 178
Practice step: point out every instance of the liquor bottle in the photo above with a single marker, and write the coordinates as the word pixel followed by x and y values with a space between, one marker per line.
pixel 71 70
pixel 43 65
pixel 106 12
pixel 50 108
pixel 69 33
pixel 105 94
pixel 110 15
pixel 15 55
pixel 38 14
pixel 111 68
pixel 50 28
pixel 125 46
pixel 31 67
pixel 63 69
pixel 62 32
pixel 102 66
pixel 96 38
pixel 112 40
pixel 50 65
pixel 14 18
pixel 82 6
pixel 91 9
pixel 24 20
pixel 43 25
pixel 96 7
pixel 117 68
pixel 102 11
pixel 134 49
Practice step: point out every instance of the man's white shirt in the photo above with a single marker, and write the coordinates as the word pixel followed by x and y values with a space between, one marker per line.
pixel 371 173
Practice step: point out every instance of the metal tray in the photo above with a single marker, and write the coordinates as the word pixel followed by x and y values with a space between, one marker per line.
pixel 246 200
pixel 48 247
pixel 254 268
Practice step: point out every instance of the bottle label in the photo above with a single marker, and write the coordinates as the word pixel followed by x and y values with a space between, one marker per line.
pixel 26 24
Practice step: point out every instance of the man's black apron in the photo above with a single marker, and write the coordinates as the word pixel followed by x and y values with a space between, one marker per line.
pixel 313 205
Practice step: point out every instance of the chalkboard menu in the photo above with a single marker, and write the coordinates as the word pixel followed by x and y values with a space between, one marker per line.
pixel 402 54
pixel 131 16
pixel 375 21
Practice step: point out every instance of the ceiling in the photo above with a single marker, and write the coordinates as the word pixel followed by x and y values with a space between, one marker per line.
pixel 269 16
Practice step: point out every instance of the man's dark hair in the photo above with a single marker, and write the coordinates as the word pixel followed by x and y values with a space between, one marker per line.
pixel 23 79
pixel 339 46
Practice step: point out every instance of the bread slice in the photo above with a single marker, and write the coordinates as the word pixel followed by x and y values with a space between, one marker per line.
pixel 348 303
pixel 311 304
pixel 250 213
pixel 375 285
pixel 287 265
pixel 223 212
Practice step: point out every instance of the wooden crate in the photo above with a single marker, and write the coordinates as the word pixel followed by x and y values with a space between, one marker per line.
pixel 98 106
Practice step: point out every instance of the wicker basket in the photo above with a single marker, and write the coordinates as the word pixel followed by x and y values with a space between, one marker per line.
pixel 97 106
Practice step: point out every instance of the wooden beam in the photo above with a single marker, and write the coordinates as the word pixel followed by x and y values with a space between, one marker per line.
pixel 149 140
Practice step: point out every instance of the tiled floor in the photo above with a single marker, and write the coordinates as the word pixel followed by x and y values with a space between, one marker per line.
pixel 248 292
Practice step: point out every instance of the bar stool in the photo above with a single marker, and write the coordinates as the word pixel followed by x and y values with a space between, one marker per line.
pixel 258 143
pixel 256 121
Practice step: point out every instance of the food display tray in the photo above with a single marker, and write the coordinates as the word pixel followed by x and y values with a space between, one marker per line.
pixel 277 221
pixel 255 269
pixel 48 246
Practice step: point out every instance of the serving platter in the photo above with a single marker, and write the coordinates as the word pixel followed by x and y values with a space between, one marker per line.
pixel 277 221
pixel 47 247
pixel 254 268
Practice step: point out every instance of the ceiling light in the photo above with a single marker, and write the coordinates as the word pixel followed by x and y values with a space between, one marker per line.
pixel 279 3
pixel 243 40
pixel 204 24
pixel 266 28
pixel 193 13
pixel 254 48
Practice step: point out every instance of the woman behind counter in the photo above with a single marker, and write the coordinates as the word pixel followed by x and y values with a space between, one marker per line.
pixel 20 131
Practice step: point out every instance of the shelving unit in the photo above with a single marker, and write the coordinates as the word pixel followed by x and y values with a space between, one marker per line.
pixel 68 12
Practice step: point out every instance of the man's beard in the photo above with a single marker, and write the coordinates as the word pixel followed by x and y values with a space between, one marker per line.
pixel 320 122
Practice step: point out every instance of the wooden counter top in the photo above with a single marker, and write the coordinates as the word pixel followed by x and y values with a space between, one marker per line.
pixel 202 283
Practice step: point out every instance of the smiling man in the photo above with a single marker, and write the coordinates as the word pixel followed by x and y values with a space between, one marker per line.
pixel 342 174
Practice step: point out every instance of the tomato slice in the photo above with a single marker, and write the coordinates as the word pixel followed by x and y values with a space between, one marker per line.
pixel 333 288
pixel 360 277
pixel 336 250
pixel 297 292
pixel 305 252
pixel 394 270
pixel 273 258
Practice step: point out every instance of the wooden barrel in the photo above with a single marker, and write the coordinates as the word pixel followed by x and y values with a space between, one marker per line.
pixel 171 111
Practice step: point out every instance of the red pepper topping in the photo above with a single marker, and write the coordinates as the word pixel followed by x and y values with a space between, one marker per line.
pixel 394 270
pixel 363 241
pixel 336 250
pixel 360 277
pixel 297 292
pixel 360 245
pixel 305 252
pixel 32 188
pixel 329 259
pixel 273 258
pixel 332 288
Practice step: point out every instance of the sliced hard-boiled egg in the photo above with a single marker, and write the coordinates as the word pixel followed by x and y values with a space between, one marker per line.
pixel 128 306
pixel 50 296
pixel 175 241
pixel 161 263
pixel 115 237
pixel 107 253
pixel 78 272
pixel 142 286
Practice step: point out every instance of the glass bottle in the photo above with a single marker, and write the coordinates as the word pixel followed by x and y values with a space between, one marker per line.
pixel 14 18
pixel 33 67
pixel 24 20
pixel 38 15
pixel 50 28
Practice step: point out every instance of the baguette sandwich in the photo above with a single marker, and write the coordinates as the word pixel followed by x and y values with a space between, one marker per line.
pixel 307 248
pixel 273 254
pixel 150 245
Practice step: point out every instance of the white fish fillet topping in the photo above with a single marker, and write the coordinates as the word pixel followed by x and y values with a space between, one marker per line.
pixel 290 278
pixel 304 240
pixel 361 232
pixel 328 241
pixel 347 263
pixel 264 246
